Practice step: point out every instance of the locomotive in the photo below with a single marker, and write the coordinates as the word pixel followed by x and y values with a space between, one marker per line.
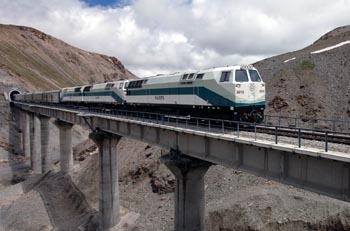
pixel 231 92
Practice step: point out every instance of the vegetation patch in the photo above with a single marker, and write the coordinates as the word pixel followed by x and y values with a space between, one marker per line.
pixel 307 65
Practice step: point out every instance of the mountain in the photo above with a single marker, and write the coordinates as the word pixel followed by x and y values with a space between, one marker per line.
pixel 313 81
pixel 33 60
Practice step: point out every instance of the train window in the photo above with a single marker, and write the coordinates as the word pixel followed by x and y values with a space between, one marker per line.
pixel 77 89
pixel 225 76
pixel 200 76
pixel 87 88
pixel 241 76
pixel 135 84
pixel 131 84
pixel 109 86
pixel 254 76
pixel 190 76
pixel 184 76
pixel 120 85
pixel 144 81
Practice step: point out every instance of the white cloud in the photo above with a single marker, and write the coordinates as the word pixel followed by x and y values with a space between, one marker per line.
pixel 151 36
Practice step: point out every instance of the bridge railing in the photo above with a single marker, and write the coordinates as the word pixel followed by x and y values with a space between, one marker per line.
pixel 276 132
pixel 272 128
pixel 312 123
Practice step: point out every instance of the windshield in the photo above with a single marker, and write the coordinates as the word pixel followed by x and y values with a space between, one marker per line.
pixel 241 76
pixel 254 76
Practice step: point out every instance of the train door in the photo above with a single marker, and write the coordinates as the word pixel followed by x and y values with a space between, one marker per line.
pixel 243 87
pixel 186 89
pixel 190 90
pixel 259 87
pixel 197 88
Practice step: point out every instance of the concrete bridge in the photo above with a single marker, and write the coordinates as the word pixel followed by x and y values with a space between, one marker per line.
pixel 192 153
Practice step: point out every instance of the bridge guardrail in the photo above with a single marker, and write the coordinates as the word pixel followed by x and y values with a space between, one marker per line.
pixel 327 124
pixel 225 126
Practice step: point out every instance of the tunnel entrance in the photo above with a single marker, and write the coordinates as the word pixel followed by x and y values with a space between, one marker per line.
pixel 12 95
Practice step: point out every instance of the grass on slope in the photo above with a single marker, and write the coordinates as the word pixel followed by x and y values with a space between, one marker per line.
pixel 33 68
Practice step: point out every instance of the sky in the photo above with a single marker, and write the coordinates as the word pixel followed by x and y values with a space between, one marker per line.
pixel 162 36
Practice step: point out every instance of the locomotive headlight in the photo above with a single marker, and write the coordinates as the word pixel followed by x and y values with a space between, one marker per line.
pixel 238 85
pixel 263 84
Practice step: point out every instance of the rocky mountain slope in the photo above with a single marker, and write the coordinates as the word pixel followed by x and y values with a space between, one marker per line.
pixel 33 60
pixel 311 82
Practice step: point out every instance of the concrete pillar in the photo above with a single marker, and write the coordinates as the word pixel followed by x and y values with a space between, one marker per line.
pixel 15 140
pixel 108 178
pixel 45 134
pixel 189 192
pixel 35 143
pixel 66 152
pixel 26 135
pixel 19 136
pixel 12 130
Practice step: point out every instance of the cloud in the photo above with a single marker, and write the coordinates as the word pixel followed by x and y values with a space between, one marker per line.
pixel 152 36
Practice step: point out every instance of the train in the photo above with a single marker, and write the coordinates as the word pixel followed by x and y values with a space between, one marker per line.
pixel 230 93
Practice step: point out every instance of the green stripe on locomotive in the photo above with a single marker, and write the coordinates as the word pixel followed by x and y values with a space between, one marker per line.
pixel 204 93
pixel 113 94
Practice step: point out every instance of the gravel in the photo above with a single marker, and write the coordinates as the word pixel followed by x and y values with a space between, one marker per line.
pixel 305 143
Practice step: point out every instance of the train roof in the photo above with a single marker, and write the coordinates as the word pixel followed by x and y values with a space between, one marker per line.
pixel 213 69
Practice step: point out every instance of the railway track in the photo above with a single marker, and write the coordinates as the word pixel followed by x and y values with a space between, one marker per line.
pixel 221 126
pixel 216 125
pixel 328 136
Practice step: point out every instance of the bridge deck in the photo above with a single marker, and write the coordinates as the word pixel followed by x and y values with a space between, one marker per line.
pixel 306 167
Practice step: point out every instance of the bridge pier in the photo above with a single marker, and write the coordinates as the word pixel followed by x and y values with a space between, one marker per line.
pixel 108 178
pixel 35 144
pixel 189 192
pixel 15 132
pixel 26 134
pixel 45 134
pixel 19 138
pixel 66 152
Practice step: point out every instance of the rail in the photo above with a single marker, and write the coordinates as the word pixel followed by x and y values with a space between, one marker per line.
pixel 252 130
pixel 332 125
pixel 233 127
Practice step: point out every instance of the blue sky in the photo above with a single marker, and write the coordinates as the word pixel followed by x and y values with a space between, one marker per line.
pixel 164 36
pixel 106 3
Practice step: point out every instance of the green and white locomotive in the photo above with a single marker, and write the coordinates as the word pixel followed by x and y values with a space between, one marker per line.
pixel 231 92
